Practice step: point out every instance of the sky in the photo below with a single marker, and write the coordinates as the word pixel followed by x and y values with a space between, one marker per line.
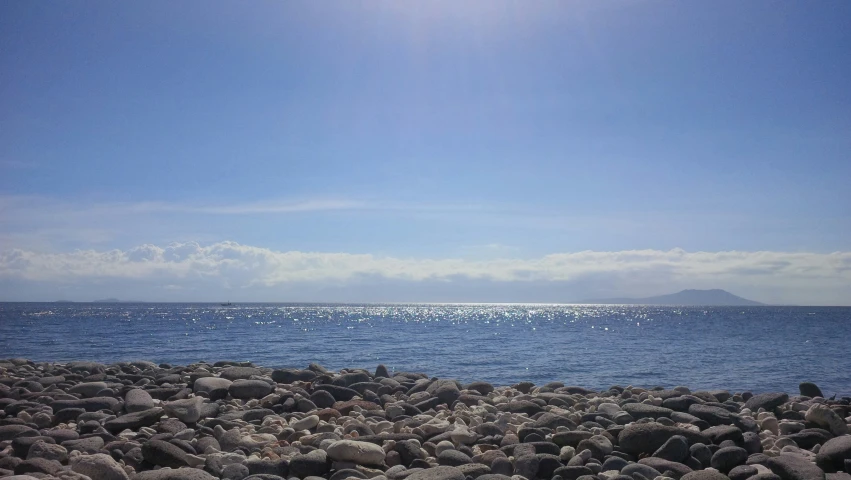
pixel 382 151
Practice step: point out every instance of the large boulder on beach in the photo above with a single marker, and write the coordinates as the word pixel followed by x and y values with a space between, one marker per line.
pixel 88 389
pixel 768 401
pixel 134 421
pixel 637 438
pixel 210 384
pixel 834 453
pixel 794 467
pixel 137 400
pixel 824 416
pixel 164 454
pixel 248 389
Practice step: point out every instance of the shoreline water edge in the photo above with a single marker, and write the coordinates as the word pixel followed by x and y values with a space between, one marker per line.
pixel 235 420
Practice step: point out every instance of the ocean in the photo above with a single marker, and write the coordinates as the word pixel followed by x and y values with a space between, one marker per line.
pixel 755 349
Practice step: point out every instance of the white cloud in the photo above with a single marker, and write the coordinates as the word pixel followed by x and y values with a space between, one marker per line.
pixel 232 265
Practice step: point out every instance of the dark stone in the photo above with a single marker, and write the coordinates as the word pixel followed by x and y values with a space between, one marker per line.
pixel 237 373
pixel 88 404
pixel 676 449
pixel 571 439
pixel 725 459
pixel 643 410
pixel 547 465
pixel 751 442
pixel 834 453
pixel 526 465
pixel 438 473
pixel 553 421
pixel 164 454
pixel 639 438
pixel 341 394
pixel 8 432
pixel 675 468
pixel 177 474
pixel 86 445
pixel 453 458
pixel 483 388
pixel 322 399
pixel 270 467
pixel 809 389
pixel 572 472
pixel 810 437
pixel 743 472
pixel 768 401
pixel 313 463
pixel 38 465
pixel 720 433
pixel 134 421
pixel 21 445
pixel 705 475
pixel 646 471
pixel 248 389
pixel 793 467
pixel 681 404
pixel 292 376
pixel 711 414
pixel 346 473
pixel 599 445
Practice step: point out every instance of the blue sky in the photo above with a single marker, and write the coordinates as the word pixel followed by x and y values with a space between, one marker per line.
pixel 481 133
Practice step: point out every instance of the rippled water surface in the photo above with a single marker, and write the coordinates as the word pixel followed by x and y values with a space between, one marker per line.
pixel 739 348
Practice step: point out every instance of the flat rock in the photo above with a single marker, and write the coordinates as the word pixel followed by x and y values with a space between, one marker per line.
pixel 768 401
pixel 639 438
pixel 88 389
pixel 134 421
pixel 643 410
pixel 705 475
pixel 210 384
pixel 174 474
pixel 823 415
pixel 793 467
pixel 164 454
pixel 248 389
pixel 100 466
pixel 438 473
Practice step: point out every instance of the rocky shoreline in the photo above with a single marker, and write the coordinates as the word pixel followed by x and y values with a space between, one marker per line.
pixel 234 420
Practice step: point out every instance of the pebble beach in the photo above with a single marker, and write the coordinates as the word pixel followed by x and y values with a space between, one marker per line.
pixel 235 420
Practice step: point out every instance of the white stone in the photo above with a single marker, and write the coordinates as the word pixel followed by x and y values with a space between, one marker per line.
pixel 187 410
pixel 208 384
pixel 824 416
pixel 362 453
pixel 305 423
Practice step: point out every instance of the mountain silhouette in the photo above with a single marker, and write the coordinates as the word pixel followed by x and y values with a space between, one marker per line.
pixel 714 297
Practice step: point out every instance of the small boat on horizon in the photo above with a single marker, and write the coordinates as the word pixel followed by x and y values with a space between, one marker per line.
pixel 226 304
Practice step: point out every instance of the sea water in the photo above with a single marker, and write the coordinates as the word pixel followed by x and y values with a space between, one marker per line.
pixel 738 348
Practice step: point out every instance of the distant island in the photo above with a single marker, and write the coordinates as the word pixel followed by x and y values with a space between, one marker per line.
pixel 714 297
pixel 107 300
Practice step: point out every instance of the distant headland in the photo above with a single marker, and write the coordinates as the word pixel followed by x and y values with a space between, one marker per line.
pixel 714 297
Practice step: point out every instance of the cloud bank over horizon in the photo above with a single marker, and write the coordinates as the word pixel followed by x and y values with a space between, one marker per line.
pixel 190 271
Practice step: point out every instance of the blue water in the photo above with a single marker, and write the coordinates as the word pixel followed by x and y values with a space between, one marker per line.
pixel 737 348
